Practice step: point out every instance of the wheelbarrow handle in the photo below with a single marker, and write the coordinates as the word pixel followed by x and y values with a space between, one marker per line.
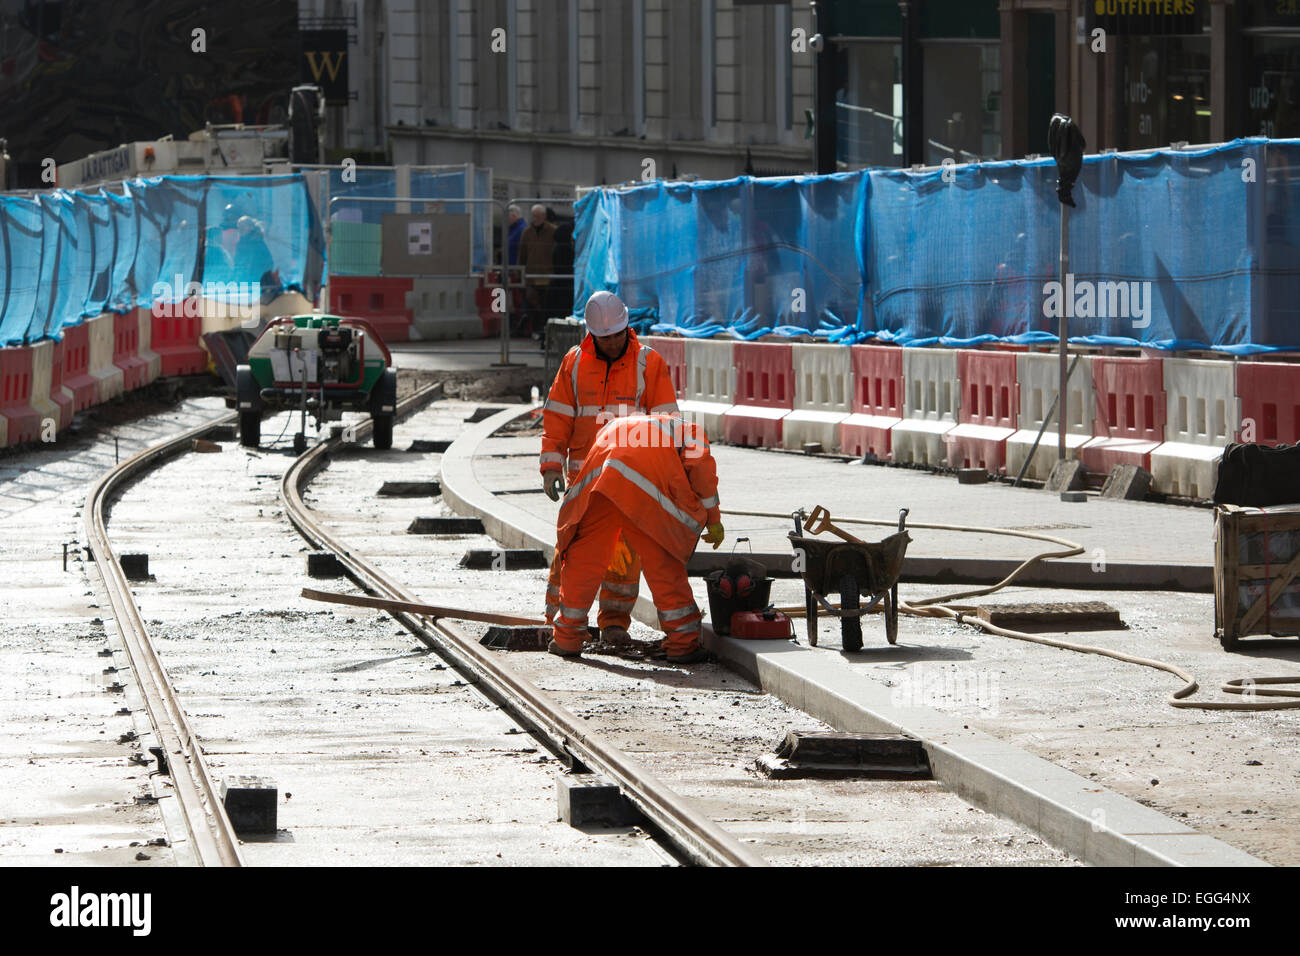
pixel 902 518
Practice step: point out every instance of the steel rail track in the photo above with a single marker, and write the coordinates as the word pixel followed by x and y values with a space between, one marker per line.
pixel 211 836
pixel 698 838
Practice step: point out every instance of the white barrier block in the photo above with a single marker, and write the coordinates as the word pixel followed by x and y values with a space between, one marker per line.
pixel 710 383
pixel 146 352
pixel 822 376
pixel 1038 375
pixel 930 400
pixel 109 378
pixel 42 381
pixel 1181 468
pixel 1201 416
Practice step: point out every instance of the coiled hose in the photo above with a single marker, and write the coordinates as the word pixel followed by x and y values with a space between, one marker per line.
pixel 940 607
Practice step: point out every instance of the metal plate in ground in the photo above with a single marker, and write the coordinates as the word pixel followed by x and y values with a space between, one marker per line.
pixel 841 755
pixel 424 445
pixel 503 559
pixel 409 489
pixel 442 525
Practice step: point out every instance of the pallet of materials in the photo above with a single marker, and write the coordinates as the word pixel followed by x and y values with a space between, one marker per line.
pixel 1256 571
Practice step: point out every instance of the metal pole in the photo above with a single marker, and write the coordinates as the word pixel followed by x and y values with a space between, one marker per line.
pixel 1063 404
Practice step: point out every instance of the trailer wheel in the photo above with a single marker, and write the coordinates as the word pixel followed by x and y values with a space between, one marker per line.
pixel 850 624
pixel 382 436
pixel 250 428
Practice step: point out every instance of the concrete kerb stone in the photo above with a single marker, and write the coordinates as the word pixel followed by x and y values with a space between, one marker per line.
pixel 1097 825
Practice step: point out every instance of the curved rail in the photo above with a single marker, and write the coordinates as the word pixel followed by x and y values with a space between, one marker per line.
pixel 699 838
pixel 210 833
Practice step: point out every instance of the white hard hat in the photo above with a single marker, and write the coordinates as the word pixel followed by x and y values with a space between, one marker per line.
pixel 605 314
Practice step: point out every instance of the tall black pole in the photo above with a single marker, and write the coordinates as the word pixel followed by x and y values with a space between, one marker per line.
pixel 824 132
pixel 913 80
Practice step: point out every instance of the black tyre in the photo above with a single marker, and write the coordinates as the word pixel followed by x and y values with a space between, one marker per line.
pixel 383 431
pixel 850 627
pixel 250 428
pixel 383 404
pixel 248 399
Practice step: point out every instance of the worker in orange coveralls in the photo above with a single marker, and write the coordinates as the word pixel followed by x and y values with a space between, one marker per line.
pixel 609 375
pixel 651 481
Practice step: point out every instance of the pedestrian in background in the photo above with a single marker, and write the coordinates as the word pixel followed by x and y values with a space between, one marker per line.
pixel 537 256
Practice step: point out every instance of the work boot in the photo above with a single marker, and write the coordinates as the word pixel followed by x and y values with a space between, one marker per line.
pixel 690 657
pixel 615 636
pixel 562 652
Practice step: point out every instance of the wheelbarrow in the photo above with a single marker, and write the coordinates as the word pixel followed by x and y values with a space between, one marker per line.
pixel 855 568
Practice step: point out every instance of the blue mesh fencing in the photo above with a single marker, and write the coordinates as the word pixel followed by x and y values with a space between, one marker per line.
pixel 1172 249
pixel 65 256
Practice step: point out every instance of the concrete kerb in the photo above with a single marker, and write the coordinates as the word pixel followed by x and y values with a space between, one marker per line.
pixel 1097 825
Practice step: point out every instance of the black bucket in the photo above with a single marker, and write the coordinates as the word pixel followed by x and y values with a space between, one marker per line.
pixel 721 608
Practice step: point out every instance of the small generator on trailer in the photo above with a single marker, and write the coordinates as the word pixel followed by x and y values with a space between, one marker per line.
pixel 322 364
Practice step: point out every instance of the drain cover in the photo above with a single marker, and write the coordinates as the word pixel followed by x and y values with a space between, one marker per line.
pixel 1096 615
pixel 410 489
pixel 424 445
pixel 503 559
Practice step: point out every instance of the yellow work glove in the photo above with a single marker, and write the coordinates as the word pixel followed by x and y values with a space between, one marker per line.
pixel 714 535
pixel 551 484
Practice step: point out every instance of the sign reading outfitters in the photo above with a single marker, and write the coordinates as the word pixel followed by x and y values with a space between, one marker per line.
pixel 325 62
pixel 1148 17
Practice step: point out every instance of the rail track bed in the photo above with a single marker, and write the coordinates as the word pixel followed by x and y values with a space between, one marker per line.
pixel 383 753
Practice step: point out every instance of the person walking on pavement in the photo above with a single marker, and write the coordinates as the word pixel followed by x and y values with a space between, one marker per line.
pixel 649 480
pixel 537 256
pixel 610 374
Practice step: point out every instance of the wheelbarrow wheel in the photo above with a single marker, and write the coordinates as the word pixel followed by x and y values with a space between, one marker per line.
pixel 850 624
pixel 811 603
pixel 891 615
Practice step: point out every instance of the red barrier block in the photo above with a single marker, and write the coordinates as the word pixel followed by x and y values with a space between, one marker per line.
pixel 76 367
pixel 877 372
pixel 764 394
pixel 1129 418
pixel 380 300
pixel 673 352
pixel 1270 403
pixel 989 411
pixel 126 351
pixel 22 420
pixel 175 337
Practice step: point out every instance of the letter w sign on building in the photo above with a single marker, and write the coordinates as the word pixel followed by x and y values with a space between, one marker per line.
pixel 325 62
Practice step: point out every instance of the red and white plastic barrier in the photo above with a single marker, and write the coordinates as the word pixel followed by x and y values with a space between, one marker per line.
pixel 126 351
pixel 109 378
pixel 1269 394
pixel 990 408
pixel 174 335
pixel 1038 378
pixel 77 379
pixel 1200 418
pixel 822 376
pixel 710 383
pixel 1130 413
pixel 929 406
pixel 21 422
pixel 876 400
pixel 673 352
pixel 380 300
pixel 764 394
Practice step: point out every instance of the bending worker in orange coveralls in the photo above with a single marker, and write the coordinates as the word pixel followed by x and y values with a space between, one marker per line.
pixel 609 375
pixel 649 480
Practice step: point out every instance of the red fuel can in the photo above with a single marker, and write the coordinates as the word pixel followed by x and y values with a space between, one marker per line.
pixel 770 624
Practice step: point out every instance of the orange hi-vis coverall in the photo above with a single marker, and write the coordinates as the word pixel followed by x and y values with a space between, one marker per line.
pixel 589 391
pixel 651 480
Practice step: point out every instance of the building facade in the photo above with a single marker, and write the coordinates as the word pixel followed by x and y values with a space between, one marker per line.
pixel 556 93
